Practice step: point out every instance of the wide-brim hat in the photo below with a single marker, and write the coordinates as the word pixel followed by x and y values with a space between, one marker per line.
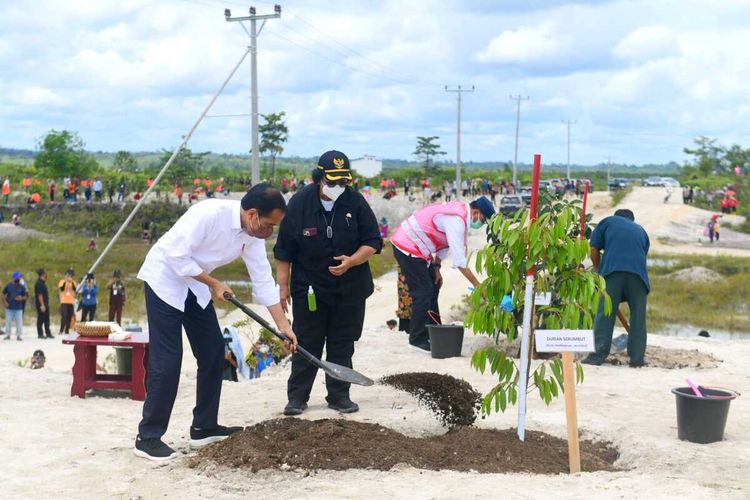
pixel 335 166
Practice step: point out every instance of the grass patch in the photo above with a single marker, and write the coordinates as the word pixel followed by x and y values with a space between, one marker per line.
pixel 720 304
pixel 620 194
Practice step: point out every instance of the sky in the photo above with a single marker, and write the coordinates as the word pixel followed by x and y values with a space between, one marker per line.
pixel 638 79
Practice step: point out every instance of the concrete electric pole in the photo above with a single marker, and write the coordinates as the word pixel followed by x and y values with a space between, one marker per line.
pixel 609 167
pixel 253 34
pixel 569 123
pixel 458 90
pixel 518 125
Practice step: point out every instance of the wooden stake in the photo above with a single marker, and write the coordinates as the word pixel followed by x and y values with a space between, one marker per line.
pixel 571 415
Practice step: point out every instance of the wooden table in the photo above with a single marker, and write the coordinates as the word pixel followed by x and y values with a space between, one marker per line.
pixel 84 368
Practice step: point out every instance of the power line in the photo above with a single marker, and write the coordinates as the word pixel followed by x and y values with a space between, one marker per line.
pixel 340 62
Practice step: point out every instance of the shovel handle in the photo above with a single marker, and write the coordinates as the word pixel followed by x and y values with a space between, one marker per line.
pixel 262 322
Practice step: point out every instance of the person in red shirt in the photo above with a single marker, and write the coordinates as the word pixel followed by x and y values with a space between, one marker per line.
pixel 52 190
pixel 196 182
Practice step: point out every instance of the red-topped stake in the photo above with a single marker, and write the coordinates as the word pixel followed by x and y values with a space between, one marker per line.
pixel 535 185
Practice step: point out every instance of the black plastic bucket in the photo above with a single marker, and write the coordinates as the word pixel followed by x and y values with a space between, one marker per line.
pixel 702 419
pixel 446 340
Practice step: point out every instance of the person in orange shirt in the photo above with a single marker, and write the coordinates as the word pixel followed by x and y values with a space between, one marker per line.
pixel 26 183
pixel 178 193
pixel 67 287
pixel 196 181
pixel 207 182
pixel 149 183
pixel 6 190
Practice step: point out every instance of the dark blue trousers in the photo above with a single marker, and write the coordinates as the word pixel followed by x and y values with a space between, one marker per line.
pixel 424 294
pixel 165 360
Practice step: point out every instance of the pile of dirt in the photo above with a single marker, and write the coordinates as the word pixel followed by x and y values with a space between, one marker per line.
pixel 696 274
pixel 660 357
pixel 344 444
pixel 453 401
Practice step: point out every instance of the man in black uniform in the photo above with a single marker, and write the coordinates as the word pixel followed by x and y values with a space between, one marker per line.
pixel 326 238
pixel 41 301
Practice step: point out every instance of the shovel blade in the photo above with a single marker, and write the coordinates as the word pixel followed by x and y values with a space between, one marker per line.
pixel 345 374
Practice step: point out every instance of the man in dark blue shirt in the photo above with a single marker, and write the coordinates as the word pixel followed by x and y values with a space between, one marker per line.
pixel 14 298
pixel 623 264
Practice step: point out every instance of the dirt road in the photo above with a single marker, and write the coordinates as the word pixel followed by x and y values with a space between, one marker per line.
pixel 674 228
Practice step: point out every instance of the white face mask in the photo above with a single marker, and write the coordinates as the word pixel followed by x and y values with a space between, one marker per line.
pixel 332 192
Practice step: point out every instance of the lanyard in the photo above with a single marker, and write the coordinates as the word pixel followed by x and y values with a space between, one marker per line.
pixel 329 229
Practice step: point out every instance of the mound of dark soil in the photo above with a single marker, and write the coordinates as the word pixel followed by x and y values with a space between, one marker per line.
pixel 344 444
pixel 453 401
pixel 674 359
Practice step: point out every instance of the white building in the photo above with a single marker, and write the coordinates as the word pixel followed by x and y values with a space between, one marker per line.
pixel 367 166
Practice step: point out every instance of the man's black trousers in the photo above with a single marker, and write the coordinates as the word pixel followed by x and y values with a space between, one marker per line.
pixel 165 359
pixel 423 292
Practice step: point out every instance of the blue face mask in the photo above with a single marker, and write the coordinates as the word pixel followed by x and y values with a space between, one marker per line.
pixel 476 224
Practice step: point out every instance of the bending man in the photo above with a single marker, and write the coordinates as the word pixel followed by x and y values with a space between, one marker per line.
pixel 421 242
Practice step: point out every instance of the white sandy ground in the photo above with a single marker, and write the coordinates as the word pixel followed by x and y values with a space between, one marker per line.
pixel 55 445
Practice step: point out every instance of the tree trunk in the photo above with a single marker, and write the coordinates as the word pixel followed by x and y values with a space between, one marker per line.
pixel 273 169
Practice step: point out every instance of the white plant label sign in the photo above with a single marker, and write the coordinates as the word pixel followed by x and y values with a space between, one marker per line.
pixel 543 299
pixel 564 340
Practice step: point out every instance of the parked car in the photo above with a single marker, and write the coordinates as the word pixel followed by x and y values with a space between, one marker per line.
pixel 654 182
pixel 618 183
pixel 670 182
pixel 511 203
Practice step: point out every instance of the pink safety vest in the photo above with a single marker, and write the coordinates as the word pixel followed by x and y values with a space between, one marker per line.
pixel 418 235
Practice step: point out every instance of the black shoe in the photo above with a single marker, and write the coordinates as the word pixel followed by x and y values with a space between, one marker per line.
pixel 293 408
pixel 153 449
pixel 638 365
pixel 202 437
pixel 40 337
pixel 591 361
pixel 344 405
pixel 423 346
pixel 50 336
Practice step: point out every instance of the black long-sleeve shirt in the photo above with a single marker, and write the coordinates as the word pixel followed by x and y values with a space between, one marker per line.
pixel 303 242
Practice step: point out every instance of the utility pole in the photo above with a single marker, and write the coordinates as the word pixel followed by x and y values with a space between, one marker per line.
pixel 609 167
pixel 458 90
pixel 569 123
pixel 253 34
pixel 518 125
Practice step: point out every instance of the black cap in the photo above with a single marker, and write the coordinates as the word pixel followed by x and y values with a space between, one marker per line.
pixel 70 271
pixel 116 274
pixel 335 165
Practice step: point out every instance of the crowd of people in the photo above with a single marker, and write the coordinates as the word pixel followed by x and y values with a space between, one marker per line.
pixel 71 298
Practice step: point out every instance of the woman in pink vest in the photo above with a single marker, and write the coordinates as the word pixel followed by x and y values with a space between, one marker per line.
pixel 421 242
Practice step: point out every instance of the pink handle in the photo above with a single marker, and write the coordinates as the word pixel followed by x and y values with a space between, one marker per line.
pixel 694 387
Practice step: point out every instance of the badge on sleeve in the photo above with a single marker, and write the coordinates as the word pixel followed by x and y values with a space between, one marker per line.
pixel 310 231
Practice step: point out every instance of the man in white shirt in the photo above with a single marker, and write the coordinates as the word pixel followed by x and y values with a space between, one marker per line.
pixel 179 286
pixel 420 243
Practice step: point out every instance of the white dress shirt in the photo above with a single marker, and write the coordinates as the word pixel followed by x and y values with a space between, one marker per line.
pixel 207 236
pixel 455 229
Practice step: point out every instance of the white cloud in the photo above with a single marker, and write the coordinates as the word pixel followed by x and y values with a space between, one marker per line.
pixel 525 44
pixel 647 43
pixel 39 96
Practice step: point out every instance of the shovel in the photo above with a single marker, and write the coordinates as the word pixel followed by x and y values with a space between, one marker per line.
pixel 338 372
